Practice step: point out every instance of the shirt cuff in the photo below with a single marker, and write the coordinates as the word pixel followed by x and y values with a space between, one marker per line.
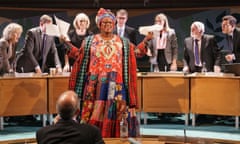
pixel 37 67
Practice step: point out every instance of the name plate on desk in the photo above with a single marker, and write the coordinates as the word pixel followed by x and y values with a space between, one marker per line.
pixel 212 74
pixel 170 73
pixel 30 74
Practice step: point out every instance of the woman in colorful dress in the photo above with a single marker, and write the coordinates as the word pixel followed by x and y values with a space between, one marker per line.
pixel 104 77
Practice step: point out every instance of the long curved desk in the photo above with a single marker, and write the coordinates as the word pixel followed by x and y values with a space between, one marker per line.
pixel 215 95
pixel 157 92
pixel 165 93
pixel 23 96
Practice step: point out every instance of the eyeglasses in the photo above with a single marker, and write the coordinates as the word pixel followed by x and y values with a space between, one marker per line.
pixel 158 21
pixel 106 22
pixel 82 21
pixel 226 25
pixel 122 18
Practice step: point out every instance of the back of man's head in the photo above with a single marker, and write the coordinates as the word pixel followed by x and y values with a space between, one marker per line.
pixel 67 105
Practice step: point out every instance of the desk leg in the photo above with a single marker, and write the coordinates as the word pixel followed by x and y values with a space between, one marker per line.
pixel 50 119
pixel 44 119
pixel 1 123
pixel 186 119
pixel 193 120
pixel 145 118
pixel 139 117
pixel 236 122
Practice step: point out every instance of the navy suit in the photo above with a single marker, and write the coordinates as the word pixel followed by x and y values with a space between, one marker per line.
pixel 69 132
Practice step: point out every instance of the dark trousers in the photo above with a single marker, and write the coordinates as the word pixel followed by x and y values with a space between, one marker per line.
pixel 162 62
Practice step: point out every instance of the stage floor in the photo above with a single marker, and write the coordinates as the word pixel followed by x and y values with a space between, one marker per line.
pixel 155 127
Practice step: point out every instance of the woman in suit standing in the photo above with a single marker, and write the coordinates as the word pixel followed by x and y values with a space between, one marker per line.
pixel 8 41
pixel 163 47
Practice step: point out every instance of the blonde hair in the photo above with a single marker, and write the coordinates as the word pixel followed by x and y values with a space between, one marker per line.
pixel 81 16
pixel 164 18
pixel 11 29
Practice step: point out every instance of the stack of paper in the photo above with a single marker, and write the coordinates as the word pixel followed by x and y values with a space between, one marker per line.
pixel 144 30
pixel 59 29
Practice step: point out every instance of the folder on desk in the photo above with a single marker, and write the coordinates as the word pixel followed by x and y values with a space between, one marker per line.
pixel 232 68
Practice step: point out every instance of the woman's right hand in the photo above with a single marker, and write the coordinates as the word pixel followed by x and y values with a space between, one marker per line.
pixel 148 37
pixel 66 68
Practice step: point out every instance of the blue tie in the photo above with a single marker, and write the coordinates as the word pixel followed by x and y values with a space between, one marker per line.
pixel 120 32
pixel 196 50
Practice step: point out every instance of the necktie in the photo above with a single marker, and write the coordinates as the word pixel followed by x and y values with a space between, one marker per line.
pixel 196 50
pixel 43 44
pixel 43 51
pixel 120 33
pixel 230 43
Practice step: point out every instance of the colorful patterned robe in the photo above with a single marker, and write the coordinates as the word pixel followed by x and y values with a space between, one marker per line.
pixel 104 77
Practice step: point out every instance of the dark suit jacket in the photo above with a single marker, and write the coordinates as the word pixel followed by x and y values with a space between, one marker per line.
pixel 236 44
pixel 31 53
pixel 7 56
pixel 69 132
pixel 210 53
pixel 129 32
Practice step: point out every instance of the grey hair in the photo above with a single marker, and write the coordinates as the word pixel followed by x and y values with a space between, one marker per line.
pixel 81 16
pixel 200 26
pixel 11 29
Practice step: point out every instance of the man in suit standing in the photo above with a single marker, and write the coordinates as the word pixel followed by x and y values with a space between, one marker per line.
pixel 67 130
pixel 233 38
pixel 122 29
pixel 39 52
pixel 200 50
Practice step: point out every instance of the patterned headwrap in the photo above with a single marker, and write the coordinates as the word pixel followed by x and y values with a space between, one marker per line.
pixel 102 13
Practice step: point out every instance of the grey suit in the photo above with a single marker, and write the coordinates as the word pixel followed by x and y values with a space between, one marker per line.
pixel 33 54
pixel 7 56
pixel 210 53
pixel 171 50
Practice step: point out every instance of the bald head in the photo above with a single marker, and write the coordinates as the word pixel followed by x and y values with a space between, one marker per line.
pixel 67 105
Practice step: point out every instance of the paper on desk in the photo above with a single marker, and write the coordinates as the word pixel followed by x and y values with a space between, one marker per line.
pixel 60 28
pixel 144 30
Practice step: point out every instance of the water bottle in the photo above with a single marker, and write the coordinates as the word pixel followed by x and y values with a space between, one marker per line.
pixel 204 69
pixel 124 127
